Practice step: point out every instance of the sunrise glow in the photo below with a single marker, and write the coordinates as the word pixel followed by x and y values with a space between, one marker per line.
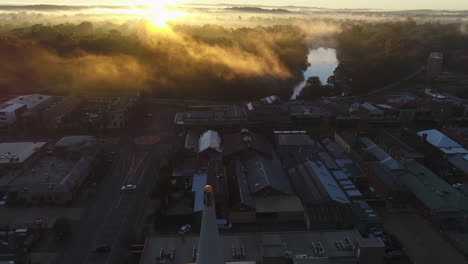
pixel 158 12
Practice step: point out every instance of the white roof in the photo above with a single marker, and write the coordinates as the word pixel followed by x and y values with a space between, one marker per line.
pixel 8 107
pixel 442 142
pixel 31 100
pixel 210 139
pixel 18 152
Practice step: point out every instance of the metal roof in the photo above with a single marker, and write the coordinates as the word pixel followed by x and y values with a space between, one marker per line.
pixel 442 142
pixel 327 181
pixel 198 185
pixel 380 154
pixel 191 140
pixel 433 191
pixel 245 195
pixel 210 140
pixel 262 172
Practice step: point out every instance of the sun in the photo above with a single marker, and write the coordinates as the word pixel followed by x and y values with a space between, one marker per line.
pixel 158 12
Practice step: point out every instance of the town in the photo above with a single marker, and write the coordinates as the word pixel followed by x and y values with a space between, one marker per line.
pixel 371 179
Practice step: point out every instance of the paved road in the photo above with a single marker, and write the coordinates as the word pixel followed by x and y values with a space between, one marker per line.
pixel 115 215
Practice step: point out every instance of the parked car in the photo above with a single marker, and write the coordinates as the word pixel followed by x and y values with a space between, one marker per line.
pixel 101 249
pixel 184 229
pixel 128 187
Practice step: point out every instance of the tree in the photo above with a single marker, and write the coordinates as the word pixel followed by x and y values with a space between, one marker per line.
pixel 62 229
pixel 313 89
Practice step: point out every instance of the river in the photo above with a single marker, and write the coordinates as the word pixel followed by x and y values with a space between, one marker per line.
pixel 323 63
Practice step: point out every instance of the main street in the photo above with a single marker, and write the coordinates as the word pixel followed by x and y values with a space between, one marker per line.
pixel 113 216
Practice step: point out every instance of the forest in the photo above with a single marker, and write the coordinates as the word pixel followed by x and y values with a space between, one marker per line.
pixel 224 57
pixel 210 61
pixel 372 55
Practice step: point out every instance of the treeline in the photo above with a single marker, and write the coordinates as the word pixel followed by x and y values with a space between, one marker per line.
pixel 210 62
pixel 372 55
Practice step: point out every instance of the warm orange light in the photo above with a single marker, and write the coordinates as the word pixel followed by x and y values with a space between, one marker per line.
pixel 158 12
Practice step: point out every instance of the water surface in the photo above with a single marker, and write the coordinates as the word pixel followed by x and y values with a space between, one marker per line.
pixel 323 63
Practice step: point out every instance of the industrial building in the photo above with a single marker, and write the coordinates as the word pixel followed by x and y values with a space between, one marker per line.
pixel 41 174
pixel 12 110
pixel 347 246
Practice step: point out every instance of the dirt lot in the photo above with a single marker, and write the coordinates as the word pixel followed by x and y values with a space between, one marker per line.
pixel 423 243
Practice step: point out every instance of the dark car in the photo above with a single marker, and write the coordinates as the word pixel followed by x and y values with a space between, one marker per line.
pixel 101 249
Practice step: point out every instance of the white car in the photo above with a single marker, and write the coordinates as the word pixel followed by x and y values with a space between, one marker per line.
pixel 184 229
pixel 128 187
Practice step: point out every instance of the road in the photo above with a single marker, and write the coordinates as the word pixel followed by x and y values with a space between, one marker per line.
pixel 115 215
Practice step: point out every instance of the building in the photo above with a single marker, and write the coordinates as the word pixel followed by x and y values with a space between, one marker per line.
pixel 370 112
pixel 50 114
pixel 448 150
pixel 334 247
pixel 326 203
pixel 212 116
pixel 12 110
pixel 19 154
pixel 327 247
pixel 436 197
pixel 38 175
pixel 295 147
pixel 262 193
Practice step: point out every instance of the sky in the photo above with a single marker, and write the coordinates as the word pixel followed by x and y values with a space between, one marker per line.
pixel 374 4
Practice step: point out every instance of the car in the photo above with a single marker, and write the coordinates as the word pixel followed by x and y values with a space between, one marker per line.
pixel 148 115
pixel 128 187
pixel 101 249
pixel 184 229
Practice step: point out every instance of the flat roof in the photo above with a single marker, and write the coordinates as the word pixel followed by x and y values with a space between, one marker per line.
pixel 50 172
pixel 30 100
pixel 18 152
pixel 335 244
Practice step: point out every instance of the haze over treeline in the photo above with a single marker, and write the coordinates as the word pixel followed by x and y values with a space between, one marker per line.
pixel 213 54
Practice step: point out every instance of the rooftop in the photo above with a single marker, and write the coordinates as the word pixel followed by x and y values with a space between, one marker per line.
pixel 48 173
pixel 31 100
pixel 18 152
pixel 209 140
pixel 442 142
pixel 433 191
pixel 314 183
pixel 379 154
pixel 246 140
pixel 252 247
pixel 262 173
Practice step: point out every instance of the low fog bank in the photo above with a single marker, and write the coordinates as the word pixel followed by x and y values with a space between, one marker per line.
pixel 214 52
